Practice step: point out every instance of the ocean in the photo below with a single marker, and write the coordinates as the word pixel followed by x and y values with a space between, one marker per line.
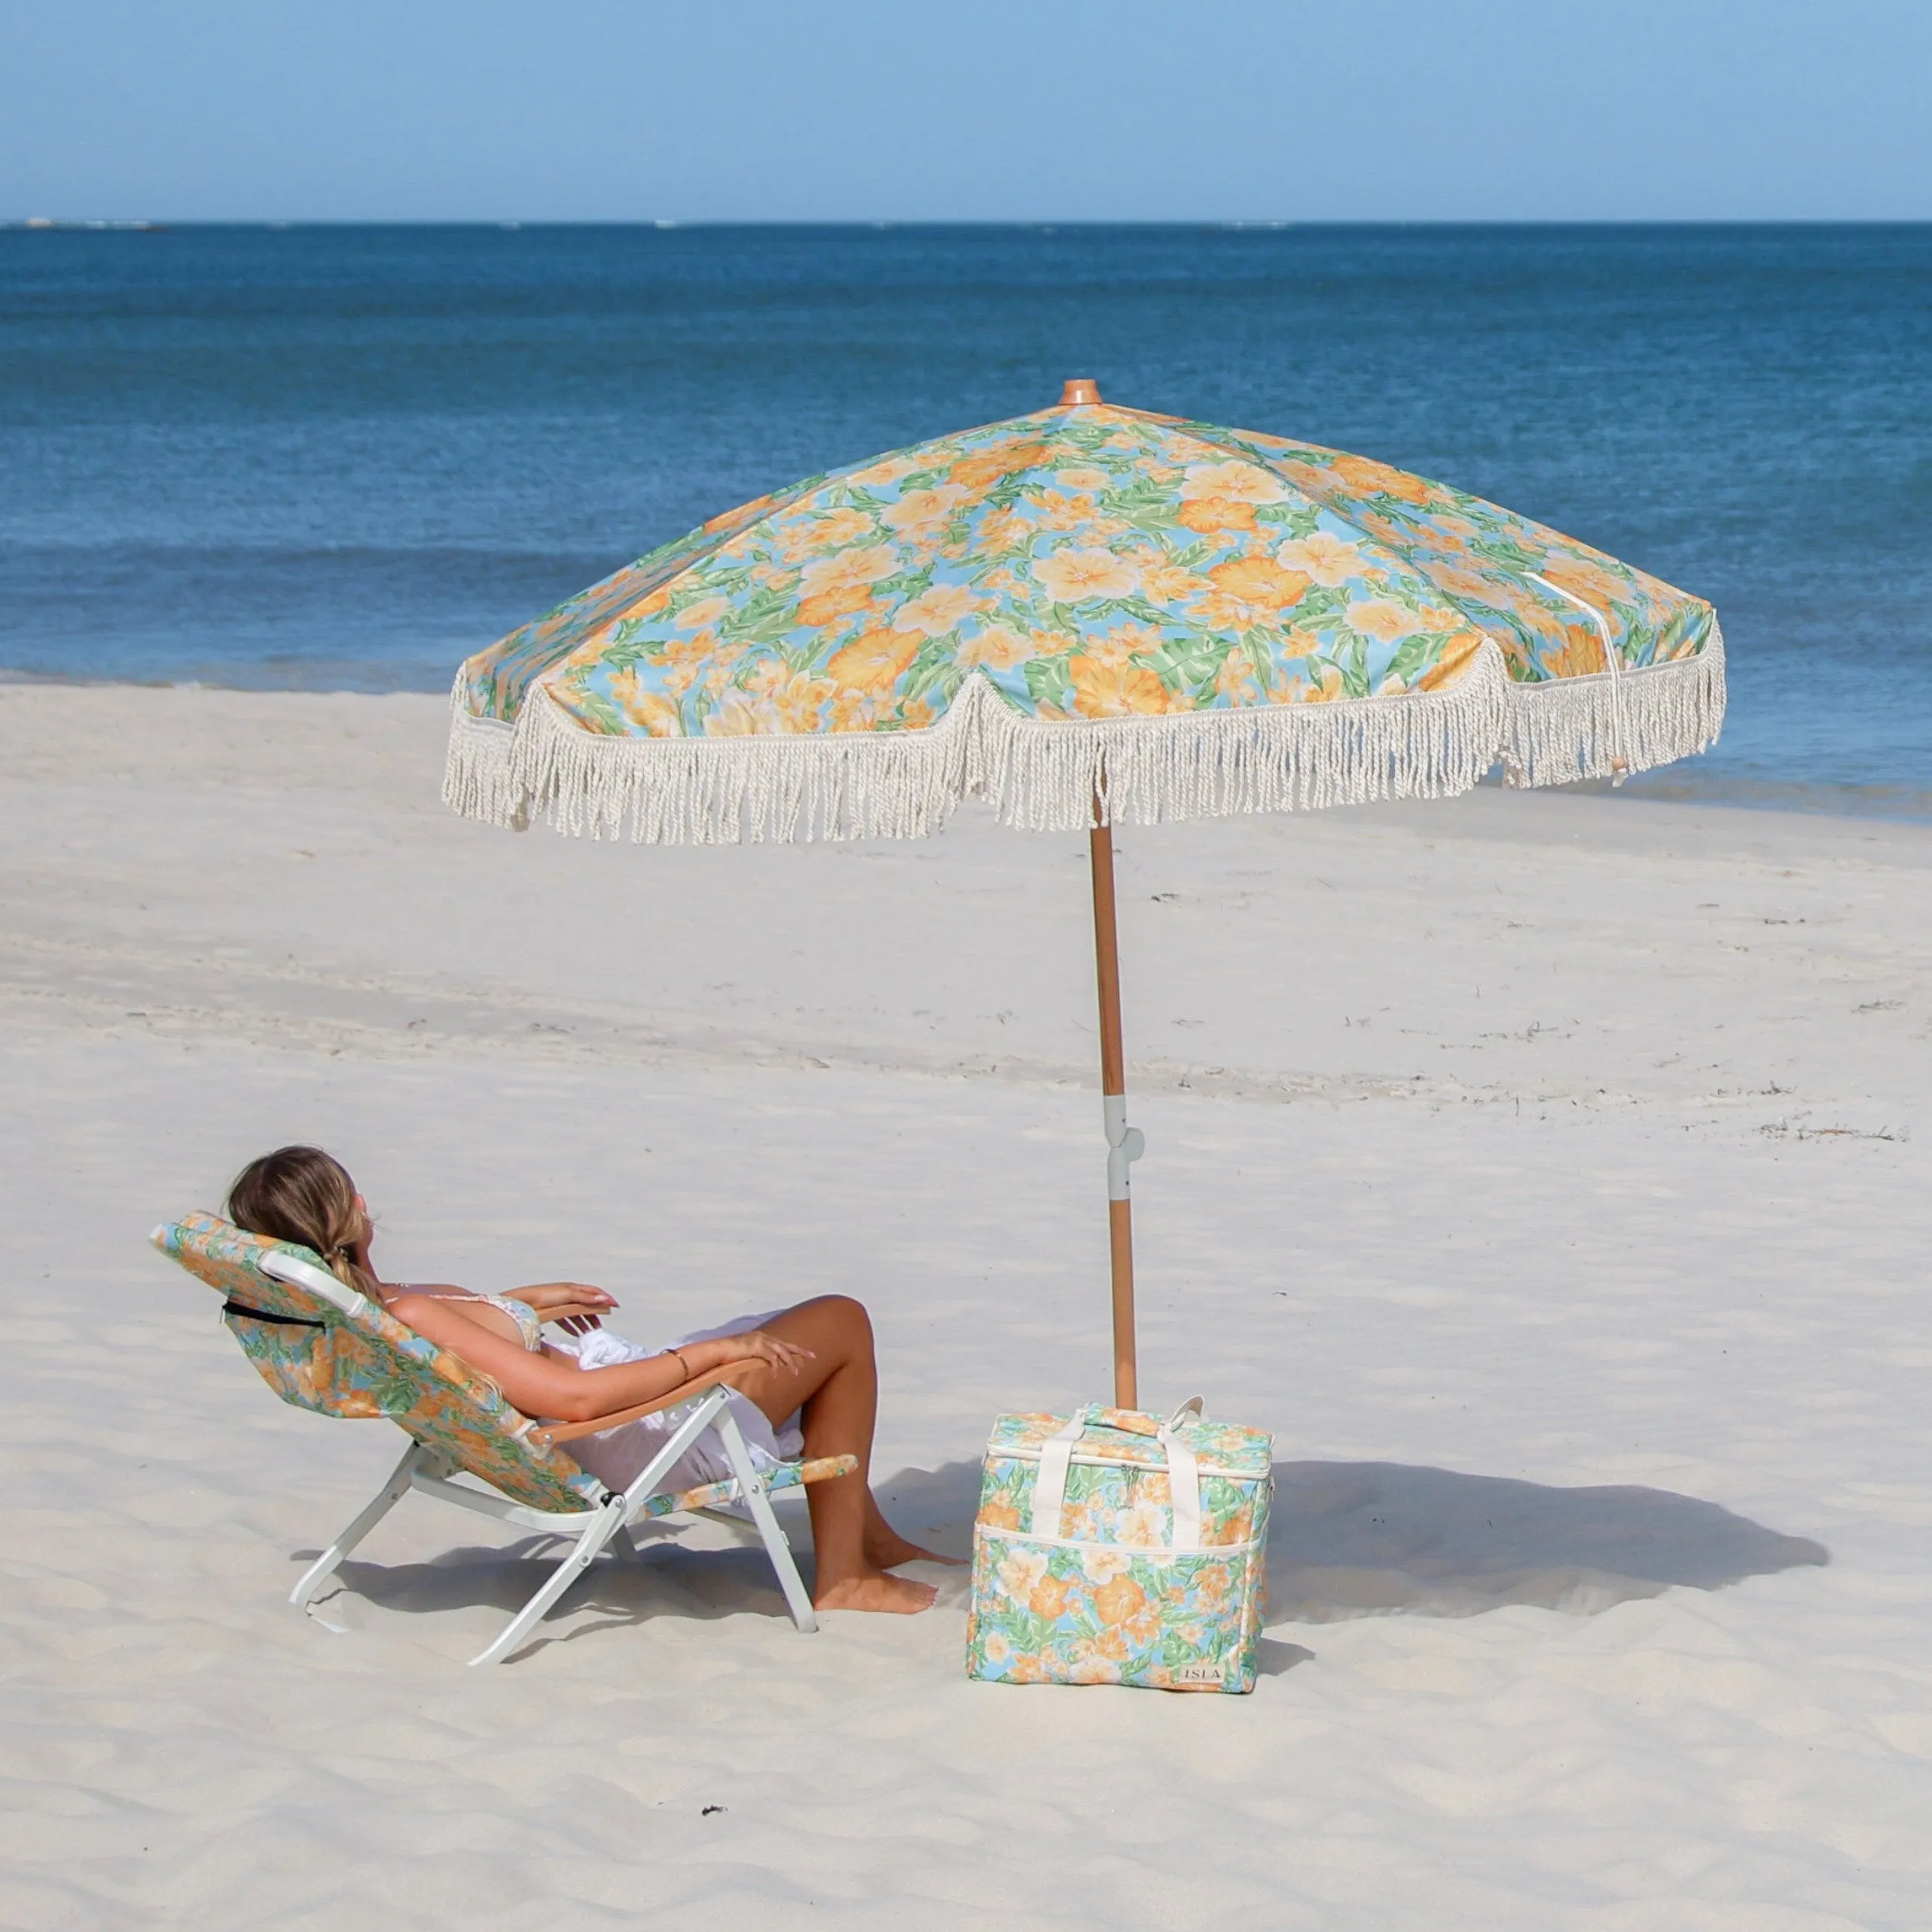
pixel 344 457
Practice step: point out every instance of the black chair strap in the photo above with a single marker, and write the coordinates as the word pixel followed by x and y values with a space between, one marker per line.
pixel 282 1321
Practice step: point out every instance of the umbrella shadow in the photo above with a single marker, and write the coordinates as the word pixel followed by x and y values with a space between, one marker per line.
pixel 1349 1539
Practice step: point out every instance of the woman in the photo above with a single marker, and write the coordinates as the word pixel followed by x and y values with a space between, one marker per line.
pixel 803 1379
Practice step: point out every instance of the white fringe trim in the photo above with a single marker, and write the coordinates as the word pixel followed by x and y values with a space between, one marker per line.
pixel 1042 776
pixel 1611 724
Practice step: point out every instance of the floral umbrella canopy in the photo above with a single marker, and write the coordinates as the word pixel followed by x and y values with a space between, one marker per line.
pixel 1086 616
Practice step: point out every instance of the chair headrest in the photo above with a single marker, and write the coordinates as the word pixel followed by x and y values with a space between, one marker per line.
pixel 278 1278
pixel 369 1363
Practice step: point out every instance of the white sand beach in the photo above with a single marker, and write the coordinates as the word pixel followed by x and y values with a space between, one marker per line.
pixel 1551 1174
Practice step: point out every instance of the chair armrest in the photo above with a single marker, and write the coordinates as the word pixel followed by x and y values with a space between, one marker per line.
pixel 547 1434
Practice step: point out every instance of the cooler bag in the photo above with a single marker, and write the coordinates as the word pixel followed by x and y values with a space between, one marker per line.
pixel 1117 1549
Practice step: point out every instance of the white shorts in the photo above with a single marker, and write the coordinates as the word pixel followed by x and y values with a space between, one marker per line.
pixel 617 1457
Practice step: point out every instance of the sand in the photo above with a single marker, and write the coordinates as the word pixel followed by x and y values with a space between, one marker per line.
pixel 1549 1172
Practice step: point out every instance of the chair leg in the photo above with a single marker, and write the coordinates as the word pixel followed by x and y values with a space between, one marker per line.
pixel 606 1523
pixel 750 1488
pixel 391 1493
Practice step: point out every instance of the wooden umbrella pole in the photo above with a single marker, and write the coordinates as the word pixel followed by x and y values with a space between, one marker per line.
pixel 1125 1143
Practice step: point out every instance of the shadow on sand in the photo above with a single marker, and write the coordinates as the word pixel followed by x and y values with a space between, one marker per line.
pixel 1346 1540
pixel 1363 1538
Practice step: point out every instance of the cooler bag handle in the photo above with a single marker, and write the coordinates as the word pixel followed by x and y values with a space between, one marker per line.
pixel 1056 1458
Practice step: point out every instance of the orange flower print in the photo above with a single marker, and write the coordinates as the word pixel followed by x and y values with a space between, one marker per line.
pixel 1581 653
pixel 1020 1574
pixel 920 515
pixel 1236 480
pixel 1114 648
pixel 1070 576
pixel 739 715
pixel 1460 582
pixel 997 648
pixel 1050 1599
pixel 1583 578
pixel 1249 591
pixel 830 605
pixel 653 713
pixel 1235 680
pixel 1207 514
pixel 874 662
pixel 848 569
pixel 1325 559
pixel 702 614
pixel 802 536
pixel 1079 478
pixel 780 702
pixel 1171 584
pixel 743 514
pixel 648 606
pixel 1374 479
pixel 882 475
pixel 936 610
pixel 976 472
pixel 1448 668
pixel 1379 618
pixel 1115 691
pixel 860 711
pixel 1118 1601
pixel 1055 512
pixel 1006 530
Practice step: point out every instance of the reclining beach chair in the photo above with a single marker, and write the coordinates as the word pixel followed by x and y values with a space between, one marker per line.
pixel 321 1346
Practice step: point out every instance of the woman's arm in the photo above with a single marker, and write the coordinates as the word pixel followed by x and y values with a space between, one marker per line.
pixel 541 1386
pixel 574 1306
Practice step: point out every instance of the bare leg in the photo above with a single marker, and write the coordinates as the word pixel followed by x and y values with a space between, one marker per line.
pixel 839 1391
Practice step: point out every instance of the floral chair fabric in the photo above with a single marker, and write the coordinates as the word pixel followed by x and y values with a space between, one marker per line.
pixel 370 1365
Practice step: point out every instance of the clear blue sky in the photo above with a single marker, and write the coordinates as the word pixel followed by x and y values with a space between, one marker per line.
pixel 841 110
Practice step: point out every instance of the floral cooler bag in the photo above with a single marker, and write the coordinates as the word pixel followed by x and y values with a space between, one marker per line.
pixel 1114 1548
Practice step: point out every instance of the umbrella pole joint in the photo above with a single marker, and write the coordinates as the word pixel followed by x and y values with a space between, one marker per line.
pixel 1125 1144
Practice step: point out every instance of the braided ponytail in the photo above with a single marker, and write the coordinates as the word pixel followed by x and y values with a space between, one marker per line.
pixel 303 1195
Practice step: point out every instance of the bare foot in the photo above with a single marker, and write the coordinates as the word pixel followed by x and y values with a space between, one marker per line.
pixel 873 1590
pixel 888 1551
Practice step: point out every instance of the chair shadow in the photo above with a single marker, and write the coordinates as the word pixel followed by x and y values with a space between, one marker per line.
pixel 1346 1540
pixel 702 1584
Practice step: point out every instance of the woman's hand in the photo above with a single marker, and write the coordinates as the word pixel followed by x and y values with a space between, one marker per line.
pixel 574 1306
pixel 755 1345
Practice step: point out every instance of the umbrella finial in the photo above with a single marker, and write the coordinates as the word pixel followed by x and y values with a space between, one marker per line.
pixel 1079 392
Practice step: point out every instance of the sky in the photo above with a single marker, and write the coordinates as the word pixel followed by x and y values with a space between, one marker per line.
pixel 977 110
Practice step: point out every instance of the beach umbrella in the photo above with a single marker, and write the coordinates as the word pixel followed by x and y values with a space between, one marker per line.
pixel 1084 617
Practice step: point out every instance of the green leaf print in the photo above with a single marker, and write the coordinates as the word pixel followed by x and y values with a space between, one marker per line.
pixel 1048 682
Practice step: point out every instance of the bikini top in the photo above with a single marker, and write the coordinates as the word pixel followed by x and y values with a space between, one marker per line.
pixel 529 1323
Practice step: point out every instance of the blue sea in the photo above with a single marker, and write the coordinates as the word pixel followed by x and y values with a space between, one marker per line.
pixel 342 457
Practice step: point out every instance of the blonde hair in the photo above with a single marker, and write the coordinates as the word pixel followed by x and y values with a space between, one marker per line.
pixel 303 1195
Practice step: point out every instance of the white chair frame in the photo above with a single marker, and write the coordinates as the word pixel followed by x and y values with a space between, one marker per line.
pixel 588 1532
